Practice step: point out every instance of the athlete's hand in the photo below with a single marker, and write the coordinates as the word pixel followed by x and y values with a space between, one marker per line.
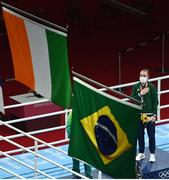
pixel 152 119
pixel 144 91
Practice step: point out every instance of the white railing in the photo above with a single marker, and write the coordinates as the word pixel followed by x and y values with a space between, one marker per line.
pixel 37 117
pixel 51 145
pixel 159 92
pixel 39 146
pixel 12 173
pixel 26 103
pixel 24 164
pixel 35 153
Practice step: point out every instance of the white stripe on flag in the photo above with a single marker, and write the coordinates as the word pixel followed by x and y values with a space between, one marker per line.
pixel 40 58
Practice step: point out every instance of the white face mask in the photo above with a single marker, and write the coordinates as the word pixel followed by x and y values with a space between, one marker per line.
pixel 143 80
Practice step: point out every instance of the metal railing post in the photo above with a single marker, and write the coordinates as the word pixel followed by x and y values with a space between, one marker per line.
pixel 159 95
pixel 163 54
pixel 99 174
pixel 36 158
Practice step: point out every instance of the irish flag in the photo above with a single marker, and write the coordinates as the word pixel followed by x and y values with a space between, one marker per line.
pixel 40 57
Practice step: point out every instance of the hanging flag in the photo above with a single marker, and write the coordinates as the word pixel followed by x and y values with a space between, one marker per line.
pixel 40 57
pixel 104 131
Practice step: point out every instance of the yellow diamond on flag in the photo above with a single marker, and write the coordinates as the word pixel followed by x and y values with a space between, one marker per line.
pixel 105 133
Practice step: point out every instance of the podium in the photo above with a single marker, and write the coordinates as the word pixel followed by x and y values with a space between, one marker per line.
pixel 158 169
pixel 33 110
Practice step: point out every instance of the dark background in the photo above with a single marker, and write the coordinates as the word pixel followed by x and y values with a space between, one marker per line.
pixel 97 30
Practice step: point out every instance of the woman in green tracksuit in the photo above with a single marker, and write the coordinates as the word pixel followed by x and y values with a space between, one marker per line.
pixel 76 163
pixel 147 94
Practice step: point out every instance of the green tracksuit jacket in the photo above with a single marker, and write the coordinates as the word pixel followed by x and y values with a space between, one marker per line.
pixel 150 100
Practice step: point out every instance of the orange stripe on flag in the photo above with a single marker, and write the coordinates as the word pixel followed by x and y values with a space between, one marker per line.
pixel 19 44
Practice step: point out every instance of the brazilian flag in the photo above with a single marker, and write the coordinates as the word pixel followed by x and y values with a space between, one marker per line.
pixel 104 131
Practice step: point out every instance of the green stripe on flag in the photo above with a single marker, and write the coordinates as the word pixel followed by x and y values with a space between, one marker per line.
pixel 60 75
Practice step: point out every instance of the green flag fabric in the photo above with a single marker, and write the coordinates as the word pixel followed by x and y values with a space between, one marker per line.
pixel 104 131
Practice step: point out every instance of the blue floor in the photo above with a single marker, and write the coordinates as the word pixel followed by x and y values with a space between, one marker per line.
pixel 162 137
pixel 162 142
pixel 28 158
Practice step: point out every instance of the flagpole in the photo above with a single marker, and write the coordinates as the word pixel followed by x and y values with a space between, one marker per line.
pixel 33 17
pixel 104 86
